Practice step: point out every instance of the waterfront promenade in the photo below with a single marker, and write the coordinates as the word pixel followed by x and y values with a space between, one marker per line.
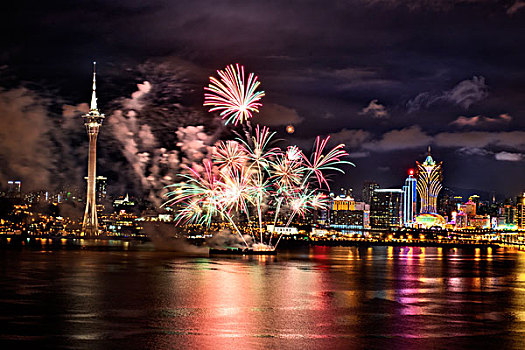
pixel 119 242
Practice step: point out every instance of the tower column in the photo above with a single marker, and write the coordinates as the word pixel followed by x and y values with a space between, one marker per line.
pixel 92 121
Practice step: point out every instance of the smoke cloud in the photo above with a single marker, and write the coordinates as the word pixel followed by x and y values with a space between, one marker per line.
pixel 145 138
pixel 25 146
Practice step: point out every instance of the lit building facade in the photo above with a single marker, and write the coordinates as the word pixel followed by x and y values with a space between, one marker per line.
pixel 461 220
pixel 429 183
pixel 385 208
pixel 368 191
pixel 123 204
pixel 93 122
pixel 409 199
pixel 470 208
pixel 509 213
pixel 480 221
pixel 100 187
pixel 14 188
pixel 520 211
pixel 346 213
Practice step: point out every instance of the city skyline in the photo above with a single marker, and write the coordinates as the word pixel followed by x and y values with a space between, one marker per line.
pixel 357 192
pixel 297 174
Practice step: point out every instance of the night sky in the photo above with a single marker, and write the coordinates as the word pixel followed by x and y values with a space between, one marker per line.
pixel 385 77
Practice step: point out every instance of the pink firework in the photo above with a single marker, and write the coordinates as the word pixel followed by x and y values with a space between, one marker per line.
pixel 321 162
pixel 288 173
pixel 237 189
pixel 233 96
pixel 230 154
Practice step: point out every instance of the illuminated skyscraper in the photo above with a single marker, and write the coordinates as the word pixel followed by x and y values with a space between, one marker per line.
pixel 368 190
pixel 409 199
pixel 14 188
pixel 520 210
pixel 429 178
pixel 92 121
pixel 385 208
pixel 100 187
pixel 346 213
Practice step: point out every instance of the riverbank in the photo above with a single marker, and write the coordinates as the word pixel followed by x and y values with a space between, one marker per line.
pixel 72 243
pixel 126 243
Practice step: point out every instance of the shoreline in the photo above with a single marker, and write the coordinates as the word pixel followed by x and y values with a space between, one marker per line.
pixel 127 243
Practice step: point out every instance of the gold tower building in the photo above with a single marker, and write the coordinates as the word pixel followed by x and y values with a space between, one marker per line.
pixel 429 183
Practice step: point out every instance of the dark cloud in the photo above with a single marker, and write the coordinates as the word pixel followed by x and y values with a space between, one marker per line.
pixel 473 151
pixel 272 114
pixel 358 155
pixel 518 5
pixel 322 64
pixel 480 139
pixel 351 138
pixel 428 5
pixel 375 110
pixel 415 137
pixel 509 156
pixel 412 137
pixel 480 120
pixel 464 94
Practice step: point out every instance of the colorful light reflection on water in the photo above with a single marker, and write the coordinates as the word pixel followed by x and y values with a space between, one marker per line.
pixel 381 297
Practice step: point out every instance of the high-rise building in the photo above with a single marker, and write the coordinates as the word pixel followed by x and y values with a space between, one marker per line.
pixel 509 213
pixel 475 198
pixel 347 192
pixel 429 179
pixel 520 209
pixel 409 199
pixel 447 202
pixel 461 220
pixel 368 190
pixel 93 122
pixel 100 187
pixel 347 214
pixel 14 188
pixel 470 208
pixel 385 208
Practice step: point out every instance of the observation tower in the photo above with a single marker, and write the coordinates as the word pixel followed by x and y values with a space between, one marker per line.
pixel 93 122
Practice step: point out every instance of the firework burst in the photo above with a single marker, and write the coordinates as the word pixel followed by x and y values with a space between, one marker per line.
pixel 258 147
pixel 201 196
pixel 249 175
pixel 319 162
pixel 233 96
pixel 287 173
pixel 230 154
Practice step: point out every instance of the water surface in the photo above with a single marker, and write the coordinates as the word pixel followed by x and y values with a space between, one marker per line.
pixel 320 297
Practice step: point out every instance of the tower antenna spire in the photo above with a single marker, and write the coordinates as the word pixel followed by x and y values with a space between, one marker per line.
pixel 94 94
pixel 428 149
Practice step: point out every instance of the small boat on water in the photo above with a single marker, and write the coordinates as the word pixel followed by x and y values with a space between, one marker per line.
pixel 240 251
